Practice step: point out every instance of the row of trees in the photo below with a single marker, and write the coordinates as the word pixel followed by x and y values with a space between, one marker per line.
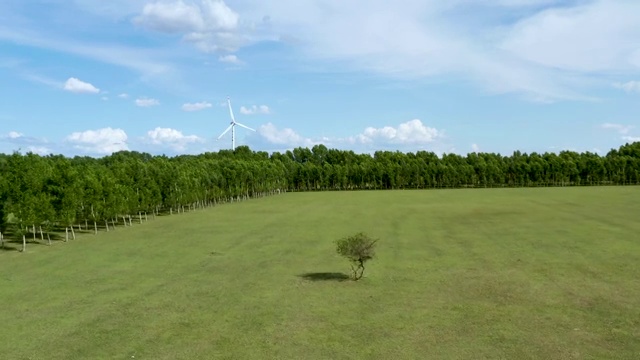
pixel 38 194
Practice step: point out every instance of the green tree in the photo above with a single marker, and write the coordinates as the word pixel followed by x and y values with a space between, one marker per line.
pixel 358 249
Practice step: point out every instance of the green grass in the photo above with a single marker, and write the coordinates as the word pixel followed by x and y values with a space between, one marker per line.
pixel 550 273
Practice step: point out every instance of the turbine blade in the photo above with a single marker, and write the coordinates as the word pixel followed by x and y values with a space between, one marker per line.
pixel 244 126
pixel 233 119
pixel 226 131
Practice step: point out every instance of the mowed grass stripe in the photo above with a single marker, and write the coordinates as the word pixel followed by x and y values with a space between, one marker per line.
pixel 498 273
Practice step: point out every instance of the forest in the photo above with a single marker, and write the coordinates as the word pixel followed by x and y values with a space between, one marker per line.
pixel 41 193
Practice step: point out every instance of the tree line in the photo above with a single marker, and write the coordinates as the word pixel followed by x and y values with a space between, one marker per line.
pixel 39 194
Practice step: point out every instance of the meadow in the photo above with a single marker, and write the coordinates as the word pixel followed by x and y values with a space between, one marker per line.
pixel 542 273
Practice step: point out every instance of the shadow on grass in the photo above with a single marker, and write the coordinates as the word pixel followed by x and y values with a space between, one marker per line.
pixel 8 248
pixel 324 276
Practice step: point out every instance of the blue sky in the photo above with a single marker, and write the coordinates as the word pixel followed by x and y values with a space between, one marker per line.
pixel 89 77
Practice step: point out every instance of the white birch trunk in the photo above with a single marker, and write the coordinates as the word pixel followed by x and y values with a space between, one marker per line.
pixel 130 224
pixel 33 230
pixel 95 228
pixel 24 243
pixel 49 237
pixel 66 234
pixel 73 233
pixel 41 234
pixel 106 225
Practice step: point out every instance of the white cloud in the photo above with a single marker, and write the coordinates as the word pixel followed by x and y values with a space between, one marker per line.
pixel 592 36
pixel 412 132
pixel 196 106
pixel 409 135
pixel 102 141
pixel 253 110
pixel 475 148
pixel 630 86
pixel 631 138
pixel 546 50
pixel 191 16
pixel 123 96
pixel 287 137
pixel 75 85
pixel 231 59
pixel 622 129
pixel 147 102
pixel 210 25
pixel 40 150
pixel 171 138
pixel 146 61
pixel 105 98
pixel 14 135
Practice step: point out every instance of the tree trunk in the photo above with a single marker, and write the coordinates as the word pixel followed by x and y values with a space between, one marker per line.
pixel 95 227
pixel 130 224
pixel 41 234
pixel 24 242
pixel 145 217
pixel 73 233
pixel 66 234
pixel 33 228
pixel 140 217
pixel 49 237
pixel 1 241
pixel 106 225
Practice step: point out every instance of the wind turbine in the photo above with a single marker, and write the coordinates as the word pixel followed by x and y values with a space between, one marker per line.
pixel 232 127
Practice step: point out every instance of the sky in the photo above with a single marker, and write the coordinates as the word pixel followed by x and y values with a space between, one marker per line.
pixel 91 77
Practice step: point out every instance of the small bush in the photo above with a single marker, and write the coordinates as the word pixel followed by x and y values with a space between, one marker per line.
pixel 358 249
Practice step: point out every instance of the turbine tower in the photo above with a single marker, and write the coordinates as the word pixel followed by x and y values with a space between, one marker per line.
pixel 232 127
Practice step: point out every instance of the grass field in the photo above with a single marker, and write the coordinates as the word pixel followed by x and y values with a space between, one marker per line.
pixel 549 273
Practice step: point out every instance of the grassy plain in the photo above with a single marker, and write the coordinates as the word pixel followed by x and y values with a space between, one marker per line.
pixel 549 273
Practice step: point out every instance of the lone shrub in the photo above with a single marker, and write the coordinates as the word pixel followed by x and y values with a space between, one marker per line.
pixel 358 248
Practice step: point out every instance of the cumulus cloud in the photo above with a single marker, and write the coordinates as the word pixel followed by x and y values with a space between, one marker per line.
pixel 40 150
pixel 413 132
pixel 28 143
pixel 75 85
pixel 230 59
pixel 102 141
pixel 630 86
pixel 287 137
pixel 171 138
pixel 147 102
pixel 14 135
pixel 409 135
pixel 196 106
pixel 209 24
pixel 254 110
pixel 631 138
pixel 622 129
pixel 123 96
pixel 475 148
